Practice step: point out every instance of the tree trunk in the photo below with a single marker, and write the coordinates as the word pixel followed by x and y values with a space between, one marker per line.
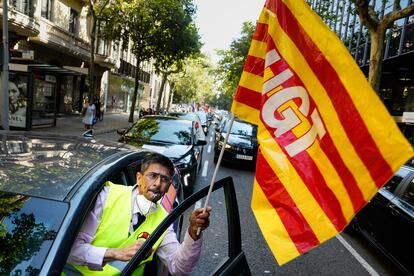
pixel 92 57
pixel 375 59
pixel 134 97
pixel 171 97
pixel 160 92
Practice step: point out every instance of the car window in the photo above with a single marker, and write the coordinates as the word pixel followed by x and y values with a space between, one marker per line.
pixel 408 195
pixel 28 226
pixel 241 128
pixel 48 168
pixel 164 131
pixel 396 179
pixel 188 116
pixel 120 178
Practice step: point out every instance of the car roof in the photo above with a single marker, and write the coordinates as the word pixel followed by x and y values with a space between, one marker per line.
pixel 166 118
pixel 49 166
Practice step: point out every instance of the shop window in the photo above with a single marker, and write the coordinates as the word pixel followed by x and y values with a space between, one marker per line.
pixel 73 21
pixel 44 104
pixel 66 97
pixel 46 9
pixel 18 100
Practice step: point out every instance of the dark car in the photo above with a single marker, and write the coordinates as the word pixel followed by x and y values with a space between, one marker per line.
pixel 172 137
pixel 192 117
pixel 387 221
pixel 242 143
pixel 49 183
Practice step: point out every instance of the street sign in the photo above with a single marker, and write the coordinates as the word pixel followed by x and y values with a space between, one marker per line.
pixel 408 117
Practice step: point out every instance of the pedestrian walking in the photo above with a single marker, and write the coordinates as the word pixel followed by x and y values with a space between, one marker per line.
pixel 89 113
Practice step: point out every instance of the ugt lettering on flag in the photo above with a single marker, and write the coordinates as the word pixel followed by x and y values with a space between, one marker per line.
pixel 327 143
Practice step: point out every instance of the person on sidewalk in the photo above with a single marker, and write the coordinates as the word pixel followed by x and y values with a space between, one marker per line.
pixel 89 113
pixel 123 217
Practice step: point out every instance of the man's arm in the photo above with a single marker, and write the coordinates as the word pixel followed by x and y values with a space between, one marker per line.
pixel 181 259
pixel 83 253
pixel 122 254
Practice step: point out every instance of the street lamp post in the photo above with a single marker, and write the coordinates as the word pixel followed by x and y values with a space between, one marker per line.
pixel 5 72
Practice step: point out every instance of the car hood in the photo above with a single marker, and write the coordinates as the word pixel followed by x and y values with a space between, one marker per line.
pixel 242 141
pixel 48 165
pixel 172 151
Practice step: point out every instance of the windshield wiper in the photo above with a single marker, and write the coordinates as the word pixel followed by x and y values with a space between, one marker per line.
pixel 162 142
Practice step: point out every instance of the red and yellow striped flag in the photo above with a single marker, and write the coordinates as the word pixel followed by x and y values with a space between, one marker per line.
pixel 327 143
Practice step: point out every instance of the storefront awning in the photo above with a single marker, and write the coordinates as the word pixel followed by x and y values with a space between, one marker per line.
pixel 82 71
pixel 53 69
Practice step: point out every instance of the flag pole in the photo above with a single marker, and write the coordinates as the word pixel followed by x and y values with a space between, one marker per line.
pixel 217 166
pixel 4 92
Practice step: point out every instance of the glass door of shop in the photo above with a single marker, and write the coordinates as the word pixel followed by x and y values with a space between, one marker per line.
pixel 44 100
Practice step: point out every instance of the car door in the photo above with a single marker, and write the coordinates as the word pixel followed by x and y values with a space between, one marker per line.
pixel 234 261
pixel 401 241
pixel 374 219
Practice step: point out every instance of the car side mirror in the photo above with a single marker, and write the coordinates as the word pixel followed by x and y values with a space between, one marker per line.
pixel 121 131
pixel 201 143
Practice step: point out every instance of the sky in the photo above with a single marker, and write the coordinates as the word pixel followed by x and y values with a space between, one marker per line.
pixel 220 21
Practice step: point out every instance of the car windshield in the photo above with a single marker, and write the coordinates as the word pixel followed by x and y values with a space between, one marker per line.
pixel 161 131
pixel 28 226
pixel 188 116
pixel 47 166
pixel 241 128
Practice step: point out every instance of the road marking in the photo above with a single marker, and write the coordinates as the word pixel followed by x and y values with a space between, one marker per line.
pixel 211 139
pixel 197 205
pixel 205 168
pixel 209 149
pixel 358 257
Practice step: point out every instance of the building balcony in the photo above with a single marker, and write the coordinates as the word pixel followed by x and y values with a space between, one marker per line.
pixel 105 61
pixel 61 40
pixel 20 21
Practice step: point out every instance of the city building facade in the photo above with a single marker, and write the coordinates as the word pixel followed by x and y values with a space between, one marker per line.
pixel 50 54
pixel 397 80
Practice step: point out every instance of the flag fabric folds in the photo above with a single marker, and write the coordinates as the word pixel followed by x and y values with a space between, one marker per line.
pixel 327 143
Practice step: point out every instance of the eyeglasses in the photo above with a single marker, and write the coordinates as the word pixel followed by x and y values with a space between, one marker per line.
pixel 153 176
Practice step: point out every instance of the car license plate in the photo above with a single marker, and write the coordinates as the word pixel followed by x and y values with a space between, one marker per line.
pixel 244 157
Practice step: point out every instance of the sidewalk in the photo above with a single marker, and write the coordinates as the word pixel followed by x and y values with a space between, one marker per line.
pixel 73 126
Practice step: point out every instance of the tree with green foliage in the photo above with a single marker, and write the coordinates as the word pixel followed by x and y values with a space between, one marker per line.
pixel 230 66
pixel 96 9
pixel 159 30
pixel 195 82
pixel 177 39
pixel 133 21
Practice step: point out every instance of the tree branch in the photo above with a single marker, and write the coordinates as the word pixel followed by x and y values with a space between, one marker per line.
pixel 366 14
pixel 397 14
pixel 105 3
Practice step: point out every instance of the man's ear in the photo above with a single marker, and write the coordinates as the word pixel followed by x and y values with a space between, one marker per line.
pixel 139 176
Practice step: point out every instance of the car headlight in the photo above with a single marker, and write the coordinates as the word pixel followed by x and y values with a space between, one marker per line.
pixel 184 163
pixel 227 146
